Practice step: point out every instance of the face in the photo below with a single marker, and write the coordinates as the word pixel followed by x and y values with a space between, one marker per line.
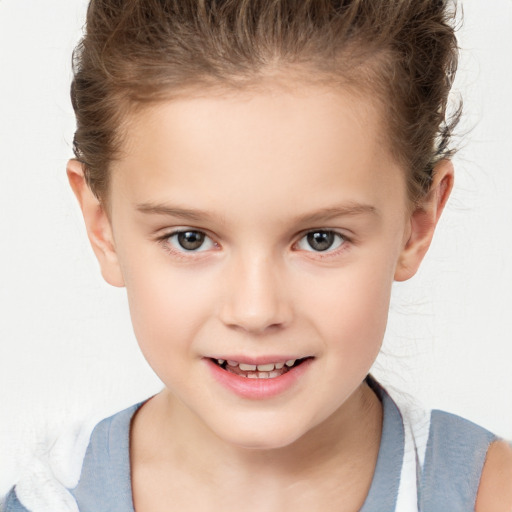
pixel 258 236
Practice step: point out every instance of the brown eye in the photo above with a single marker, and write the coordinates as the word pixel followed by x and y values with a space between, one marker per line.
pixel 321 241
pixel 190 241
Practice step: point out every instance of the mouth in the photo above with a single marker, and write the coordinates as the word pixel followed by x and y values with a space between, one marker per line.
pixel 260 371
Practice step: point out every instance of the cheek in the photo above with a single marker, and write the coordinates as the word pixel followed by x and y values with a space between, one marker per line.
pixel 351 306
pixel 167 308
pixel 165 318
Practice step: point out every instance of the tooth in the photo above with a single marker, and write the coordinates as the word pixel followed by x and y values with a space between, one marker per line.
pixel 221 361
pixel 291 362
pixel 263 375
pixel 252 376
pixel 279 366
pixel 232 363
pixel 266 367
pixel 272 375
pixel 247 367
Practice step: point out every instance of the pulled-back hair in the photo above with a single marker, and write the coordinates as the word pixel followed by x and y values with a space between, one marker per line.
pixel 403 53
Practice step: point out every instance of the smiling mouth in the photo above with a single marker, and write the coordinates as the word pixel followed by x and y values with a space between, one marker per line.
pixel 260 371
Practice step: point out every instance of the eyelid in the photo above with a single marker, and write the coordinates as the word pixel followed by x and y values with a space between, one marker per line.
pixel 166 235
pixel 163 239
pixel 328 252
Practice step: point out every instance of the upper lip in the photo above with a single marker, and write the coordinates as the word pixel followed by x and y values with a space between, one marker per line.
pixel 256 360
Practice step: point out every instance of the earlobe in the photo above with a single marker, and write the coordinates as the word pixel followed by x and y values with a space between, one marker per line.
pixel 423 222
pixel 97 223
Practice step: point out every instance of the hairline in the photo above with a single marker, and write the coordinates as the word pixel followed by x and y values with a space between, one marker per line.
pixel 357 82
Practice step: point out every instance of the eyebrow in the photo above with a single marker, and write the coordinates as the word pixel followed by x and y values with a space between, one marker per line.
pixel 348 210
pixel 170 211
pixel 322 215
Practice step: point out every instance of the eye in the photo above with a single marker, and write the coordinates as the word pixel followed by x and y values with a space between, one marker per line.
pixel 321 241
pixel 190 241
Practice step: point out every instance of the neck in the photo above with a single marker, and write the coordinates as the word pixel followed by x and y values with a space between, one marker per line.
pixel 345 446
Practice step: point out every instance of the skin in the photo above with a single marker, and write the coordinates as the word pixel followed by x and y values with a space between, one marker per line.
pixel 255 172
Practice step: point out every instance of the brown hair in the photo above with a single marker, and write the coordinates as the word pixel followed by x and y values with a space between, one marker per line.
pixel 402 52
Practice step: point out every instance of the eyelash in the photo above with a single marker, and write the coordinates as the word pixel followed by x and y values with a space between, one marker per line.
pixel 330 251
pixel 183 253
pixel 164 240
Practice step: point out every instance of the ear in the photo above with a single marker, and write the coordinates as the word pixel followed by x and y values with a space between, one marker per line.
pixel 97 223
pixel 423 221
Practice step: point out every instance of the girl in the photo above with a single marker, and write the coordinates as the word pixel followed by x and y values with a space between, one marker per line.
pixel 257 175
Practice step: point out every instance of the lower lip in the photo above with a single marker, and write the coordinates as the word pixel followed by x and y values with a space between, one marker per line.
pixel 258 389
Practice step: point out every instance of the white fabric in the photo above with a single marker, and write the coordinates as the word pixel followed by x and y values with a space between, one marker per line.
pixel 416 423
pixel 56 465
pixel 54 468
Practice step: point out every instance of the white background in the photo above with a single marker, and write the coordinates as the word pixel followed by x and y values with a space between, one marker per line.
pixel 66 346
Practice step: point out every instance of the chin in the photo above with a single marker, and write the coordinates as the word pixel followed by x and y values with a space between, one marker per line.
pixel 260 435
pixel 261 443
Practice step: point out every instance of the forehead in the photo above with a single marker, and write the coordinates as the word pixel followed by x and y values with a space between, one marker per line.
pixel 278 142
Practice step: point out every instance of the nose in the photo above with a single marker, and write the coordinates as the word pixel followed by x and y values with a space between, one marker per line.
pixel 255 296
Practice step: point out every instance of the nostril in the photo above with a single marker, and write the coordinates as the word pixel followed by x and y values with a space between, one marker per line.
pixel 254 326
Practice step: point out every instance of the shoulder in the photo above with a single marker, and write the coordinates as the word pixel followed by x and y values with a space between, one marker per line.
pixel 452 455
pixel 73 465
pixel 51 469
pixel 495 490
pixel 105 481
pixel 12 504
pixel 456 451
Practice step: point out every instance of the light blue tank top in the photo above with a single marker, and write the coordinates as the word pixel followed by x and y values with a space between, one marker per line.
pixel 447 477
